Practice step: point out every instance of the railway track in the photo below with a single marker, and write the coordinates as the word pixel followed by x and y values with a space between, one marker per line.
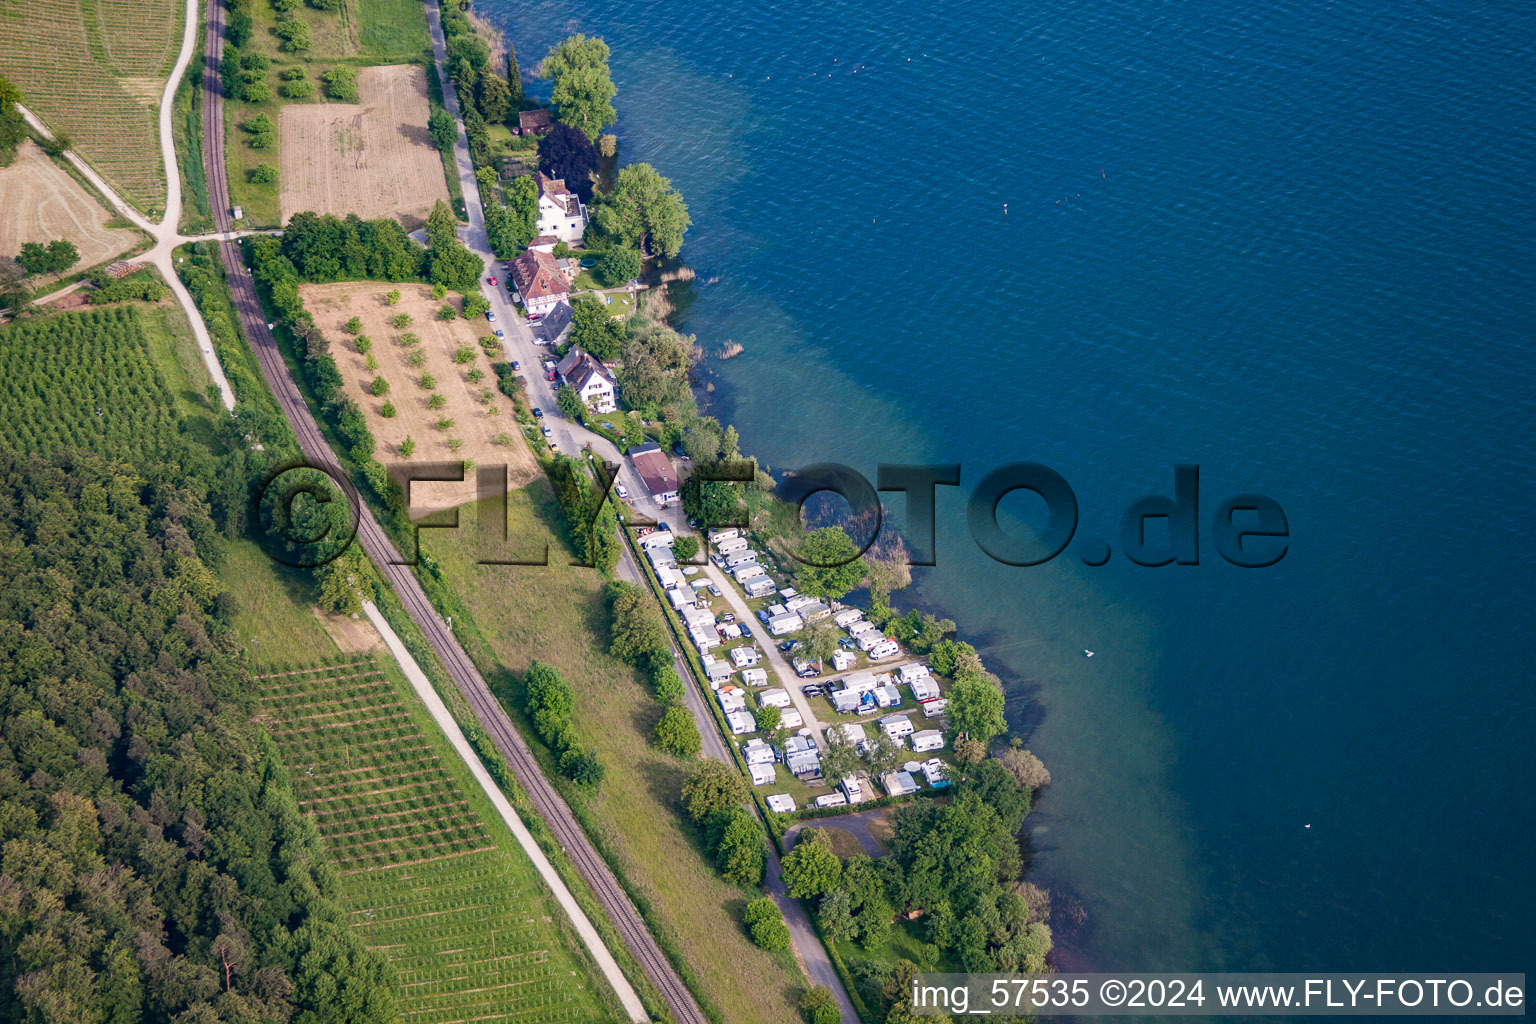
pixel 488 711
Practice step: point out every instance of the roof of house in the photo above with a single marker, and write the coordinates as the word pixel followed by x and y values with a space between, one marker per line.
pixel 534 119
pixel 538 276
pixel 555 190
pixel 549 240
pixel 578 368
pixel 654 467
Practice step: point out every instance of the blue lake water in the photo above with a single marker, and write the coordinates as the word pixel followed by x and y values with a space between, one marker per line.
pixel 1290 243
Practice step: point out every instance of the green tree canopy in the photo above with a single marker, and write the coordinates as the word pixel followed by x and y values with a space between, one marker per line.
pixel 976 707
pixel 811 868
pixel 583 87
pixel 677 733
pixel 712 786
pixel 766 925
pixel 644 206
pixel 830 566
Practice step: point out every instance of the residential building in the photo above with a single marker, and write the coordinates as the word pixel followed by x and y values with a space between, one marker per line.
pixel 757 586
pixel 934 708
pixel 781 624
pixel 534 122
pixel 538 280
pixel 927 739
pixel 778 697
pixel 763 774
pixel 899 783
pixel 590 379
pixel 887 696
pixel 842 660
pixel 750 571
pixel 741 722
pixel 937 773
pixel 655 471
pixel 781 803
pixel 896 726
pixel 754 676
pixel 847 617
pixel 756 751
pixel 789 718
pixel 853 789
pixel 561 212
pixel 924 688
pixel 744 656
pixel 831 800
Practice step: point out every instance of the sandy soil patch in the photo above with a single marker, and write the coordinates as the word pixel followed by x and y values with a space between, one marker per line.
pixel 40 202
pixel 475 422
pixel 351 634
pixel 374 158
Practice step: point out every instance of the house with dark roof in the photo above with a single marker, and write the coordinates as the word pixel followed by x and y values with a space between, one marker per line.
pixel 539 281
pixel 561 212
pixel 590 379
pixel 655 471
pixel 534 122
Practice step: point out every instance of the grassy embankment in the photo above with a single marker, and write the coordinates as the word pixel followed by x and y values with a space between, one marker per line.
pixel 555 614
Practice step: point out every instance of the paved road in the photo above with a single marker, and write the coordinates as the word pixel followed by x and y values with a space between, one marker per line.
pixel 487 710
pixel 855 824
pixel 444 718
pixel 167 233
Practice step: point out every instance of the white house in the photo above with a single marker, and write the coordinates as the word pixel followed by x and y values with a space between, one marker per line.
pixel 715 670
pixel 561 212
pixel 723 533
pixel 731 699
pixel 847 617
pixel 763 774
pixel 787 593
pixel 744 657
pixel 731 545
pixel 754 676
pixel 658 539
pixel 703 638
pixel 781 803
pixel 861 682
pixel 778 697
pixel 831 800
pixel 589 379
pixel 899 783
pixel 679 599
pixel 869 640
pixel 803 762
pixel 538 280
pixel 934 708
pixel 886 648
pixel 669 575
pixel 912 670
pixel 896 726
pixel 781 624
pixel 842 660
pixel 847 701
pixel 789 718
pixel 927 739
pixel 655 471
pixel 757 752
pixel 799 601
pixel 700 618
pixel 887 696
pixel 757 586
pixel 740 558
pixel 730 630
pixel 853 732
pixel 740 722
pixel 862 627
pixel 809 613
pixel 924 688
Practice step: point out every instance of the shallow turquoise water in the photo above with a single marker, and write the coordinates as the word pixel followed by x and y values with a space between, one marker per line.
pixel 1289 243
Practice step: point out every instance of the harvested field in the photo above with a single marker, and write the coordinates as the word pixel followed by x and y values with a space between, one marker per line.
pixel 94 71
pixel 476 423
pixel 373 158
pixel 39 202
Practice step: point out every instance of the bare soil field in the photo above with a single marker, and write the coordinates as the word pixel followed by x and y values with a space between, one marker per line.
pixel 39 202
pixel 474 422
pixel 373 158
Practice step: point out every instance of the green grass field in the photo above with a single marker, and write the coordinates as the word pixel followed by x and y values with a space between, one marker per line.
pixel 429 875
pixel 555 614
pixel 94 70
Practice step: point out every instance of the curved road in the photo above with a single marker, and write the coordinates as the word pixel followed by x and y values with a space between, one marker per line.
pixel 546 800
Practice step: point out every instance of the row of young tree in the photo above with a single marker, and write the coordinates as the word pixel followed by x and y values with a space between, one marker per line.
pixel 551 705
pixel 638 635
pixel 155 862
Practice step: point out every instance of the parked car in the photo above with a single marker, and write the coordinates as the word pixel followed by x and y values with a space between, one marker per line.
pixel 492 280
pixel 500 333
pixel 789 645
pixel 534 318
pixel 762 615
pixel 546 430
pixel 809 672
pixel 490 315
pixel 728 617
pixel 812 690
pixel 516 365
pixel 664 526
pixel 553 446
pixel 550 375
pixel 538 413
pixel 716 591
pixel 847 643
pixel 621 490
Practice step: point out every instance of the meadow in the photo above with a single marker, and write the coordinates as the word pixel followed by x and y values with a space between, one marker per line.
pixel 428 874
pixel 94 70
pixel 554 614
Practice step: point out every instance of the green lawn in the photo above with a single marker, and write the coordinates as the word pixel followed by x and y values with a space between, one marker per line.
pixel 555 614
pixel 428 873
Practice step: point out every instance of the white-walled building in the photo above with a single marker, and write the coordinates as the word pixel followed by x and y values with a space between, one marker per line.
pixel 590 380
pixel 561 212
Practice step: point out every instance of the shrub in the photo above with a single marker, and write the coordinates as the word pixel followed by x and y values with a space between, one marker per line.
pixel 406 448
pixel 399 319
pixel 438 291
pixel 712 786
pixel 363 344
pixel 427 381
pixel 819 1006
pixel 341 84
pixel 379 388
pixel 476 375
pixel 685 548
pixel 263 174
pixel 437 401
pixel 766 924
pixel 392 297
pixel 677 733
pixel 447 312
pixel 408 339
pixel 258 92
pixel 416 359
pixel 298 90
pixel 504 440
pixel 443 423
pixel 387 410
pixel 463 354
pixel 292 74
pixel 454 443
pixel 617 265
pixel 370 362
pixel 353 326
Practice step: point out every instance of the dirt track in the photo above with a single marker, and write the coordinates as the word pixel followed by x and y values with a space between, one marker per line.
pixel 373 158
pixel 39 202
